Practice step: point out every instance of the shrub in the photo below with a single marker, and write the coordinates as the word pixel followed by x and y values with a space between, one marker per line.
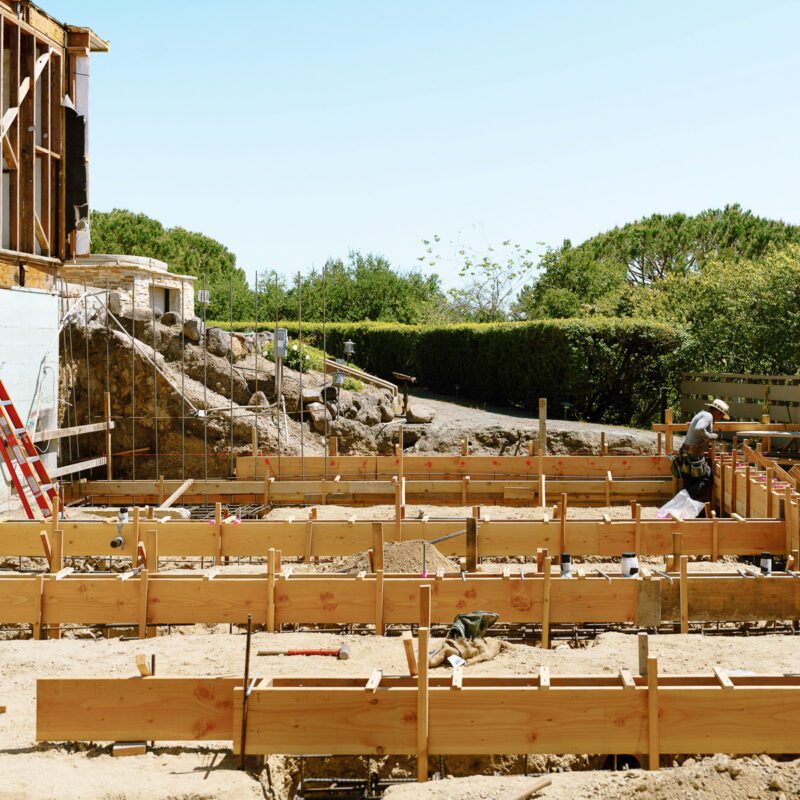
pixel 610 370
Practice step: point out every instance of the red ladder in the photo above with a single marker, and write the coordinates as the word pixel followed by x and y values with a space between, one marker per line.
pixel 23 461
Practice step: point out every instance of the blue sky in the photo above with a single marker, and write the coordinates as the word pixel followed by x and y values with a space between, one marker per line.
pixel 294 131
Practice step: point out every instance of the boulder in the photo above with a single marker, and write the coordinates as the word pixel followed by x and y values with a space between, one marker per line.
pixel 258 399
pixel 218 342
pixel 311 394
pixel 239 346
pixel 386 412
pixel 193 329
pixel 419 415
pixel 320 416
pixel 370 415
pixel 170 318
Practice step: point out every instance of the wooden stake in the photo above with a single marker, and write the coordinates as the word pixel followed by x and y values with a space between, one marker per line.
pixel 151 554
pixel 637 531
pixel 546 604
pixel 411 659
pixel 668 432
pixel 271 590
pixel 472 544
pixel 769 491
pixel 137 532
pixel 378 544
pixel 464 446
pixel 333 446
pixel 422 705
pixel 684 593
pixel 425 606
pixel 643 641
pixel 652 713
pixel 563 531
pixel 37 614
pixel 714 537
pixel 217 534
pixel 379 616
pixel 747 488
pixel 143 580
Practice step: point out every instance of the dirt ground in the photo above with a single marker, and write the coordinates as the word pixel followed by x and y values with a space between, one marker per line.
pixel 29 770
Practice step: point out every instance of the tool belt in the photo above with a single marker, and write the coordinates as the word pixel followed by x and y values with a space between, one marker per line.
pixel 691 462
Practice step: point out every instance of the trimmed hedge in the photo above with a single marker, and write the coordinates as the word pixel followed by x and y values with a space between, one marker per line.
pixel 610 370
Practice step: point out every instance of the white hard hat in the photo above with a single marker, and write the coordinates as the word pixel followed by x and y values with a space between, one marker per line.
pixel 721 406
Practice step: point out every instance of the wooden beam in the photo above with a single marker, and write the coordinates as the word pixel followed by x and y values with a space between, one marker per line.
pixel 61 433
pixel 80 466
pixel 176 494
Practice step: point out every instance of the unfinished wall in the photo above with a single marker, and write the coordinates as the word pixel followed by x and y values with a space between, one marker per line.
pixel 29 360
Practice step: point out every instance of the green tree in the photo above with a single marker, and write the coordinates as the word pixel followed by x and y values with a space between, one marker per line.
pixel 491 278
pixel 597 275
pixel 185 252
pixel 363 287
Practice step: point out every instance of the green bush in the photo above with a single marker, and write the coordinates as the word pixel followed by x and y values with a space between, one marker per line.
pixel 610 370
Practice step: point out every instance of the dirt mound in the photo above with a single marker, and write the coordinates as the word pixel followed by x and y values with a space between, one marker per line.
pixel 397 557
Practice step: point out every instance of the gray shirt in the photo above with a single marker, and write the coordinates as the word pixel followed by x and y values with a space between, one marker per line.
pixel 701 430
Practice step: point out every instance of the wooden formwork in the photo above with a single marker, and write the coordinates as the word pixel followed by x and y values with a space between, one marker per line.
pixel 147 600
pixel 337 491
pixel 229 538
pixel 748 484
pixel 443 467
pixel 643 715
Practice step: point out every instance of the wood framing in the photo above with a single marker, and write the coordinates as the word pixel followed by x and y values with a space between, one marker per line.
pixel 277 598
pixel 338 491
pixel 486 715
pixel 493 538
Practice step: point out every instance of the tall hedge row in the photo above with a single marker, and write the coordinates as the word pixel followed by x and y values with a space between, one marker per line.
pixel 610 370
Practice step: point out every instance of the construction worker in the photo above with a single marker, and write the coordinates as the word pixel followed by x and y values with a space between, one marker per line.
pixel 691 462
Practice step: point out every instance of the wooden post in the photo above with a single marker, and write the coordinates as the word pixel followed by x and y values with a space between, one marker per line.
pixel 399 502
pixel 472 544
pixel 333 446
pixel 677 544
pixel 734 487
pixel 668 432
pixel 425 609
pixel 137 532
pixel 218 533
pixel 546 603
pixel 603 445
pixel 143 579
pixel 563 523
pixel 637 534
pixel 464 446
pixel 377 554
pixel 713 456
pixel 609 481
pixel 422 705
pixel 643 641
pixel 652 713
pixel 747 490
pixel 36 631
pixel 411 659
pixel 531 447
pixel 151 554
pixel 714 537
pixel 659 451
pixel 787 517
pixel 769 491
pixel 107 414
pixel 684 592
pixel 271 590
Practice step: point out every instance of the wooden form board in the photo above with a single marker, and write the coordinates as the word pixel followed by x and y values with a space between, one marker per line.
pixel 495 538
pixel 486 715
pixel 430 467
pixel 391 599
pixel 466 491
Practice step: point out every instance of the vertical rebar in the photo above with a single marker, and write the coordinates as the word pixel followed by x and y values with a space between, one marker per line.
pixel 183 386
pixel 230 358
pixel 155 372
pixel 133 381
pixel 325 365
pixel 86 338
pixel 205 391
pixel 300 345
